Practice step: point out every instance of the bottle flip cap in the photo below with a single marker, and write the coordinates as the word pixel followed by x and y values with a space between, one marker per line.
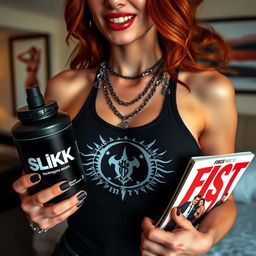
pixel 37 109
pixel 34 98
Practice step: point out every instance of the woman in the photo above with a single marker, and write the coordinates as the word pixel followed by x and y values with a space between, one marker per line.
pixel 32 63
pixel 200 209
pixel 150 107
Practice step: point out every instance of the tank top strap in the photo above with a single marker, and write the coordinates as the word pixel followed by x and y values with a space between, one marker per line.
pixel 174 112
pixel 170 96
pixel 89 102
pixel 173 108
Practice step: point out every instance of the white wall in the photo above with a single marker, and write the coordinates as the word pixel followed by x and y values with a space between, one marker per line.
pixel 246 103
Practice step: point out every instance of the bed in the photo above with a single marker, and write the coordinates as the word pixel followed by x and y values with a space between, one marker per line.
pixel 241 240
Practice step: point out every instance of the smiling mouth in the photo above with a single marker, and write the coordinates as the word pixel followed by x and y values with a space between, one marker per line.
pixel 120 19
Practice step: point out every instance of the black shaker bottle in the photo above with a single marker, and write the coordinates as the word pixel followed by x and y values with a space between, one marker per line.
pixel 46 144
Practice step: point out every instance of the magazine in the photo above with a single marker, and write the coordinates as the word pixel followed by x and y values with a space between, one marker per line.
pixel 206 183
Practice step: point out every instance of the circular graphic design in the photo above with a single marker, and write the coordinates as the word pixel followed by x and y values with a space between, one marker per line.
pixel 124 166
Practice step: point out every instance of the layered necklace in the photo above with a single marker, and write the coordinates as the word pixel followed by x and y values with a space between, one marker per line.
pixel 159 78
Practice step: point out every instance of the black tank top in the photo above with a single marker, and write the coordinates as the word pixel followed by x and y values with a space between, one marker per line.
pixel 131 173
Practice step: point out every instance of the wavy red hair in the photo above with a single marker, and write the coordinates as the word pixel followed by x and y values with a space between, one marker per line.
pixel 184 39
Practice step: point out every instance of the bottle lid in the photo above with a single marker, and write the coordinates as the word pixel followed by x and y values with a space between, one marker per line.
pixel 37 109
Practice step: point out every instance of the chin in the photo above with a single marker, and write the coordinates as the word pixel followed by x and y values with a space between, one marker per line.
pixel 121 40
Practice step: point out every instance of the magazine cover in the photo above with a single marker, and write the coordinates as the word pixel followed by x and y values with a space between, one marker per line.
pixel 206 183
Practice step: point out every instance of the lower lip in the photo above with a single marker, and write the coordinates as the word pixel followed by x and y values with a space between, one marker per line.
pixel 120 26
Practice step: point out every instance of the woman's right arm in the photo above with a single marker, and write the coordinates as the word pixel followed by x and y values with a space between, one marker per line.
pixel 65 88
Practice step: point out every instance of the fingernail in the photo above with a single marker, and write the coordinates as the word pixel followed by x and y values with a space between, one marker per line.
pixel 81 196
pixel 79 204
pixel 34 178
pixel 178 212
pixel 64 186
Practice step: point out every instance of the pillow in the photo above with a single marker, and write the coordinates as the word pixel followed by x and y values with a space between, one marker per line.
pixel 245 190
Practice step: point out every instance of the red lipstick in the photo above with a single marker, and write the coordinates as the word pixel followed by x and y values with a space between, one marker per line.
pixel 123 24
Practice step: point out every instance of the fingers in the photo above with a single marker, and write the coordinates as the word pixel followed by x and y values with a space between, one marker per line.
pixel 151 232
pixel 51 215
pixel 24 182
pixel 155 238
pixel 47 194
pixel 32 204
pixel 150 248
pixel 46 216
pixel 147 253
pixel 180 220
pixel 54 221
pixel 147 225
pixel 160 242
pixel 153 243
pixel 57 209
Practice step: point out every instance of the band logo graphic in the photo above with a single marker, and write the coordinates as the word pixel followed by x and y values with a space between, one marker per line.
pixel 125 166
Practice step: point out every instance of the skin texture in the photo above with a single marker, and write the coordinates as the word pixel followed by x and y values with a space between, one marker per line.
pixel 207 109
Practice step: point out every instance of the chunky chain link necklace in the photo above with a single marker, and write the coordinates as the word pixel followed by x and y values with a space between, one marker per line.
pixel 157 79
pixel 142 94
pixel 124 119
pixel 147 72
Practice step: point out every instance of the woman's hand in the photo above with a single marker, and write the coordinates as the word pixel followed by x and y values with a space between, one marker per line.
pixel 184 240
pixel 46 216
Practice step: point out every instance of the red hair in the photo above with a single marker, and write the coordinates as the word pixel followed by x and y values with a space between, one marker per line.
pixel 183 38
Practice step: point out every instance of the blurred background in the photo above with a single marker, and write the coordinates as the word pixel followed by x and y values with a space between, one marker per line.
pixel 40 24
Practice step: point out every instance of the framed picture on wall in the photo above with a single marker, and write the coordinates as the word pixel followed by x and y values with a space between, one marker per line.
pixel 240 33
pixel 29 61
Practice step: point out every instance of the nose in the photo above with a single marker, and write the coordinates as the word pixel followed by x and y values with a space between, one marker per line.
pixel 115 4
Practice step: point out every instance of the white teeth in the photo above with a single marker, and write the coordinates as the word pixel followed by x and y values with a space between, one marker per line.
pixel 121 19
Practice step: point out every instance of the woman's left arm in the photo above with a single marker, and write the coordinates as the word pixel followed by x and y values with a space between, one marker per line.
pixel 218 137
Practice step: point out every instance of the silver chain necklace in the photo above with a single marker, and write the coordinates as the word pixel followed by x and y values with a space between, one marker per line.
pixel 147 72
pixel 142 94
pixel 102 78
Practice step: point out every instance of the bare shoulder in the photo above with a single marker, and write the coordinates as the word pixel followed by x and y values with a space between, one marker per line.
pixel 70 87
pixel 210 87
pixel 214 96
